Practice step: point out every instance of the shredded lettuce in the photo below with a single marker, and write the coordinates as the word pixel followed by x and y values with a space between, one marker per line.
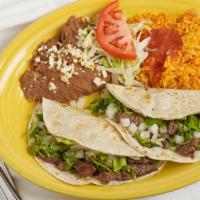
pixel 70 160
pixel 100 164
pixel 41 141
pixel 95 56
pixel 64 140
pixel 34 127
pixel 138 27
pixel 131 171
pixel 119 164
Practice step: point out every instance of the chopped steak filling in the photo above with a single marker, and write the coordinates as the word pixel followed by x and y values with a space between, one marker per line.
pixel 54 72
pixel 84 169
pixel 172 127
pixel 105 177
pixel 181 135
pixel 186 149
pixel 143 169
pixel 189 148
pixel 67 155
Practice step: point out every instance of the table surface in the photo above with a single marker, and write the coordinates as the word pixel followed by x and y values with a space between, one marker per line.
pixel 29 191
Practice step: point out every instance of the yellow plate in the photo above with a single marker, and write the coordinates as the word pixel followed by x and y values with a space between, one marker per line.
pixel 15 110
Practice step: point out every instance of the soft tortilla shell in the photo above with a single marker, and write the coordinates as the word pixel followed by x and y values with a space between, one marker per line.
pixel 73 179
pixel 165 104
pixel 85 129
pixel 156 153
pixel 66 176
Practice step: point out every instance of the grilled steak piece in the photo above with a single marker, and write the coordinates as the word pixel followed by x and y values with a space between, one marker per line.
pixel 84 169
pixel 189 148
pixel 143 169
pixel 140 161
pixel 137 119
pixel 172 127
pixel 61 165
pixel 105 177
pixel 124 176
pixel 165 144
pixel 52 160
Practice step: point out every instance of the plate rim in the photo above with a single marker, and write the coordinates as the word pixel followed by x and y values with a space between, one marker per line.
pixel 3 57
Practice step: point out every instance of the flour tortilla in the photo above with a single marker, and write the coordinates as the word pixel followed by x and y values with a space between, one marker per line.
pixel 88 131
pixel 156 153
pixel 165 104
pixel 157 103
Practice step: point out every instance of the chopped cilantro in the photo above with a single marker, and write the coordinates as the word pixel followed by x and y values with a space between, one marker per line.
pixel 144 141
pixel 100 105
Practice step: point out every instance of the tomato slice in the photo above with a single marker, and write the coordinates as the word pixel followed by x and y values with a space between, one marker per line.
pixel 113 34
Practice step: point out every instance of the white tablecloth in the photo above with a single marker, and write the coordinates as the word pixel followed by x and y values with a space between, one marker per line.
pixel 28 191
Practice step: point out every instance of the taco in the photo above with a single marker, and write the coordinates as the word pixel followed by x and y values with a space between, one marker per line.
pixel 79 148
pixel 162 124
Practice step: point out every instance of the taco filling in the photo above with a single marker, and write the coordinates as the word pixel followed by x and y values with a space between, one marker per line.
pixel 181 136
pixel 67 155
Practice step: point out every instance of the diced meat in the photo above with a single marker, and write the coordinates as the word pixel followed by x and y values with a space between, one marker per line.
pixel 124 176
pixel 84 169
pixel 52 160
pixel 143 169
pixel 61 165
pixel 172 127
pixel 105 177
pixel 70 30
pixel 144 160
pixel 164 42
pixel 133 118
pixel 165 144
pixel 189 148
pixel 136 119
